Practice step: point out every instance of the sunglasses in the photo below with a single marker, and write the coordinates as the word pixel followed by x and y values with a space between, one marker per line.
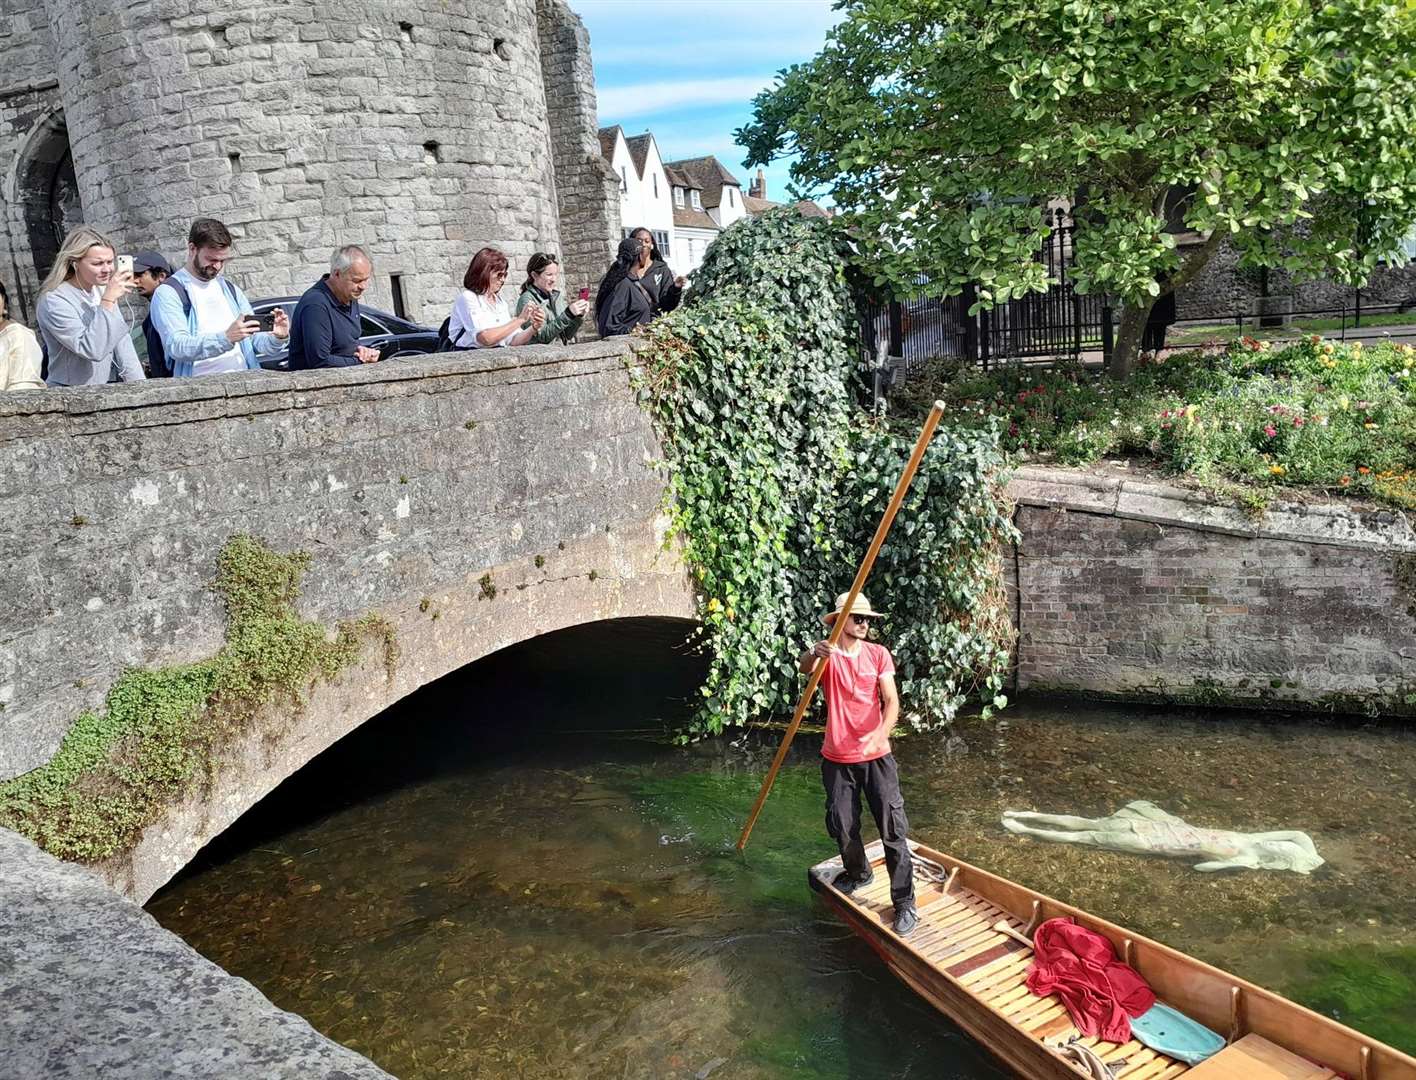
pixel 864 620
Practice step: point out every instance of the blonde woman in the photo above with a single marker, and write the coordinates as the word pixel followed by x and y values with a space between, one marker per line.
pixel 19 351
pixel 78 315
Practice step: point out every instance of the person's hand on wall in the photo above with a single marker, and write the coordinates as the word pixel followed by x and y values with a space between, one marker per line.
pixel 366 355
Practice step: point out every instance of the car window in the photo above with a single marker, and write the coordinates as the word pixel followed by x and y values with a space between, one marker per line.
pixel 369 327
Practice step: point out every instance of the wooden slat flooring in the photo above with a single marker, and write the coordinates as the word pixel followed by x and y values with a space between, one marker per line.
pixel 956 935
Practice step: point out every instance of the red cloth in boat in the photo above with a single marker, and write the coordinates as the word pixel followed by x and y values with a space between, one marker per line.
pixel 1080 966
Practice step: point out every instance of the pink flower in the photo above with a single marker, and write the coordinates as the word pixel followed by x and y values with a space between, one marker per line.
pixel 1270 431
pixel 1297 421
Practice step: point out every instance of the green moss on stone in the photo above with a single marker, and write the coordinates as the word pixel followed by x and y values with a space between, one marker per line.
pixel 159 729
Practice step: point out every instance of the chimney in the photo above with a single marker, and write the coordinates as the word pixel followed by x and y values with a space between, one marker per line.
pixel 758 188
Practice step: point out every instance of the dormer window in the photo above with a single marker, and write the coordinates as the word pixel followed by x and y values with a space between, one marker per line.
pixel 697 201
pixel 678 197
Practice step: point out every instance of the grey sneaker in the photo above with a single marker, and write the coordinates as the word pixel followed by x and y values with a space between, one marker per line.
pixel 906 918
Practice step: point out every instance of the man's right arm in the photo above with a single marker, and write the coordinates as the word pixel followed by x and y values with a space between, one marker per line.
pixel 179 344
pixel 806 662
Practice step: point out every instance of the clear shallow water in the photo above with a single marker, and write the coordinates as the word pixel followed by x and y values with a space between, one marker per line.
pixel 509 876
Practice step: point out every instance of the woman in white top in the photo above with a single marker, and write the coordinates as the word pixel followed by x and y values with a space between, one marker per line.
pixel 20 355
pixel 78 316
pixel 481 319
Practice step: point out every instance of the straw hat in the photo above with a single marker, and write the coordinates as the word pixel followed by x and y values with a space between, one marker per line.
pixel 860 607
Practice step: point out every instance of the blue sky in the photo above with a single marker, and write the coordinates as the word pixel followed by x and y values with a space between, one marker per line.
pixel 687 70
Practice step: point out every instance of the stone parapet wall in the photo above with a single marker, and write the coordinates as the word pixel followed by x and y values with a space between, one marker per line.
pixel 407 481
pixel 1144 591
pixel 93 986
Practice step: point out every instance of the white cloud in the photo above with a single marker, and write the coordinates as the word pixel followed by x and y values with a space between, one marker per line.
pixel 618 103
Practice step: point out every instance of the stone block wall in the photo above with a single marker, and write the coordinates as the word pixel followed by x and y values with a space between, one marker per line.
pixel 29 98
pixel 418 129
pixel 1142 591
pixel 587 190
pixel 415 128
pixel 1220 290
pixel 406 481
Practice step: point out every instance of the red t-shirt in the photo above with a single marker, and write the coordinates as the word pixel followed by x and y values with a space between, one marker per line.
pixel 853 715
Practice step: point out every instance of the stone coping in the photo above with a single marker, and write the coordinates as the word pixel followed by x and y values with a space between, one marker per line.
pixel 1167 504
pixel 93 986
pixel 53 403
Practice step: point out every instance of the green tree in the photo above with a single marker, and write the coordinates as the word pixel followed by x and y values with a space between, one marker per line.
pixel 942 128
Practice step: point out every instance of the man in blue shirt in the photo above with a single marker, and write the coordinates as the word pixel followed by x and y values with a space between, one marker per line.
pixel 324 331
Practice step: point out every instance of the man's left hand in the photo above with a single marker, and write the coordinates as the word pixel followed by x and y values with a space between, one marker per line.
pixel 366 355
pixel 680 281
pixel 282 324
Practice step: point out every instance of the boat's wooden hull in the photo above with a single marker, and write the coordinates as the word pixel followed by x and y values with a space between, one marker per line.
pixel 974 973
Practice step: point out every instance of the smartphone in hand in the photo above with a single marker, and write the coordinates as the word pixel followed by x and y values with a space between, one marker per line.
pixel 124 264
pixel 585 293
pixel 267 321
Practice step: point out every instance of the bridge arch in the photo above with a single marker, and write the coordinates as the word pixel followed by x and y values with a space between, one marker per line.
pixel 471 501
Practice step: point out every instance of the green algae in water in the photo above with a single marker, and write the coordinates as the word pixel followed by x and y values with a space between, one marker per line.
pixel 1372 988
pixel 706 811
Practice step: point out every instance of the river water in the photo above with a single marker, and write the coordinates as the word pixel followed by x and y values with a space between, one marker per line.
pixel 513 874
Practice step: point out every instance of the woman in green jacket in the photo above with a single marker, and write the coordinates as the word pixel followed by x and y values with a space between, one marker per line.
pixel 562 319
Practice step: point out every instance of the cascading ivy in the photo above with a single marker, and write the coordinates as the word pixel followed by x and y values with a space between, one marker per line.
pixel 777 479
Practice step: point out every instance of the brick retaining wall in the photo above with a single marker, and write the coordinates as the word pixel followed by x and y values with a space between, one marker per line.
pixel 1144 591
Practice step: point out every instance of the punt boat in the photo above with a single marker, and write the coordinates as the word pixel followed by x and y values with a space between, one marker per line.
pixel 967 960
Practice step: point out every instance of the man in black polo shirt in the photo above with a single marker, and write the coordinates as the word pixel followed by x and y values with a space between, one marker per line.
pixel 324 331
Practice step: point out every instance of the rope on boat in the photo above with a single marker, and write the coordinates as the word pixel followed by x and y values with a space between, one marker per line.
pixel 926 869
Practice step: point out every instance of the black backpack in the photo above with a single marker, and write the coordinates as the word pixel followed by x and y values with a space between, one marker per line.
pixel 158 367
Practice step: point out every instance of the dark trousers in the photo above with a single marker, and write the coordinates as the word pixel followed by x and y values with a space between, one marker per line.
pixel 880 781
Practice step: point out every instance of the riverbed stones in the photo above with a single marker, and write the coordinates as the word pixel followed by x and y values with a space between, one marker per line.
pixel 91 985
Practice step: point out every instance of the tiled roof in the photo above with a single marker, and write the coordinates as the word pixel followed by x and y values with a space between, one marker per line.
pixel 807 208
pixel 639 151
pixel 708 175
pixel 678 178
pixel 756 206
pixel 689 218
pixel 607 142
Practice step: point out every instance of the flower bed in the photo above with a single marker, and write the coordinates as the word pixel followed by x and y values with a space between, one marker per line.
pixel 1244 420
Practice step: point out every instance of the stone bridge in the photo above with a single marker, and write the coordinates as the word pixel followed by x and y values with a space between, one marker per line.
pixel 474 501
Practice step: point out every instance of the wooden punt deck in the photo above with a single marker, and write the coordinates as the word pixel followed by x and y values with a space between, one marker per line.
pixel 956 937
pixel 961 962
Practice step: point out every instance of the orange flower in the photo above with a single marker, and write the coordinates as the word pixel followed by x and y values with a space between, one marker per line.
pixel 1345 481
pixel 1363 469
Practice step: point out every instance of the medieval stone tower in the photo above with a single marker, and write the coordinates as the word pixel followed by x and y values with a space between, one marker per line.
pixel 422 129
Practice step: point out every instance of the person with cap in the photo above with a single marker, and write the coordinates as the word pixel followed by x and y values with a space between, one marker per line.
pixel 862 706
pixel 150 270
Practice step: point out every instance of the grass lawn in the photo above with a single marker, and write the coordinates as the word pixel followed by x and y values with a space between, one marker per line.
pixel 1245 420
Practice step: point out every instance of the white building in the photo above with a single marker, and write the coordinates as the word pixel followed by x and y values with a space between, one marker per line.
pixel 685 204
pixel 645 202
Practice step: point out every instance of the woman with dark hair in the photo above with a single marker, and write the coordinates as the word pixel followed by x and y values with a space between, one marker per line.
pixel 20 354
pixel 663 287
pixel 562 319
pixel 622 302
pixel 481 319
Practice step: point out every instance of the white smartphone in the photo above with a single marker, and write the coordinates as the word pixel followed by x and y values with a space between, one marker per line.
pixel 125 264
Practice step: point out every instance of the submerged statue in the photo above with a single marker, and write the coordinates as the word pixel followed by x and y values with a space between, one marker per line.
pixel 1143 828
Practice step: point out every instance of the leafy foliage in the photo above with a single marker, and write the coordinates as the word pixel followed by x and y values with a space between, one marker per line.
pixel 943 127
pixel 158 730
pixel 778 479
pixel 1315 414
